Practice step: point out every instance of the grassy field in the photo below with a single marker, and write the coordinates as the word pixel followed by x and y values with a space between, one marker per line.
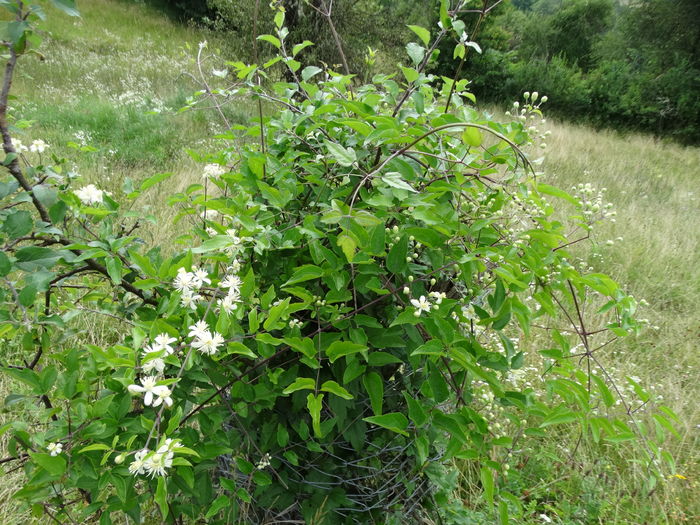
pixel 111 81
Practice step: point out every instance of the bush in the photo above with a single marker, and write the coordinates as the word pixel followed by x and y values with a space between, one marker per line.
pixel 339 322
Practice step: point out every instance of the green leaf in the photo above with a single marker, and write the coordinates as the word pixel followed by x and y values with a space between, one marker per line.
pixel 345 156
pixel 45 194
pixel 416 52
pixel 309 72
pixel 297 48
pixel 395 180
pixel 394 421
pixel 271 39
pixel 335 388
pixel 238 348
pixel 559 418
pixel 93 447
pixel 5 265
pixel 488 484
pixel 339 349
pixel 18 224
pixel 433 347
pixel 275 313
pixel 54 465
pixel 219 503
pixel 556 192
pixel 374 385
pixel 67 6
pixel 382 359
pixel 348 245
pixel 114 269
pixel 422 33
pixel 410 74
pixel 396 259
pixel 215 243
pixel 153 180
pixel 304 273
pixel 300 383
pixel 161 497
pixel 314 404
pixel 415 410
pixel 34 257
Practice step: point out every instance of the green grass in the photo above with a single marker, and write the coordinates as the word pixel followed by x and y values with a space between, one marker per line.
pixel 102 74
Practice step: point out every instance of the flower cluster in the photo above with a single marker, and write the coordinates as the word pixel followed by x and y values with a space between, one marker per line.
pixel 188 283
pixel 37 146
pixel 54 448
pixel 154 394
pixel 423 304
pixel 205 341
pixel 153 354
pixel 90 195
pixel 213 170
pixel 154 463
pixel 229 303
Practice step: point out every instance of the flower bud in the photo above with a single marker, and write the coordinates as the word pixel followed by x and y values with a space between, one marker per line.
pixel 433 281
pixel 406 290
pixel 120 459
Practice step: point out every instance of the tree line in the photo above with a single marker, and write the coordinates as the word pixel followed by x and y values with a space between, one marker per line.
pixel 627 64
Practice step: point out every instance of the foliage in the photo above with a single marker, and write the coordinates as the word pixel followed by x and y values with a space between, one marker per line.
pixel 346 299
pixel 635 75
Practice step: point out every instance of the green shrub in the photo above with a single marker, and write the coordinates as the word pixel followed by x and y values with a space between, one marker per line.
pixel 338 323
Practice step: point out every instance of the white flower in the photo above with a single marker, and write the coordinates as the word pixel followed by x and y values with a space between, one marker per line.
pixel 468 312
pixel 201 277
pixel 19 147
pixel 156 463
pixel 421 304
pixel 163 342
pixel 230 303
pixel 232 282
pixel 209 214
pixel 163 397
pixel 438 296
pixel 213 170
pixel 198 329
pixel 208 343
pixel 137 466
pixel 184 280
pixel 54 448
pixel 90 194
pixel 235 266
pixel 189 300
pixel 221 73
pixel 169 445
pixel 153 365
pixel 38 146
pixel 264 462
pixel 150 387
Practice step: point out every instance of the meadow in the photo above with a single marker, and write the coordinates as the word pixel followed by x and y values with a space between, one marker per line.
pixel 106 94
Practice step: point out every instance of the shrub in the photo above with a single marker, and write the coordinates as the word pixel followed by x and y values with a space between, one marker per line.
pixel 339 321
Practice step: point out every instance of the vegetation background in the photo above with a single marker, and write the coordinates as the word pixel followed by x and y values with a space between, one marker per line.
pixel 110 83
